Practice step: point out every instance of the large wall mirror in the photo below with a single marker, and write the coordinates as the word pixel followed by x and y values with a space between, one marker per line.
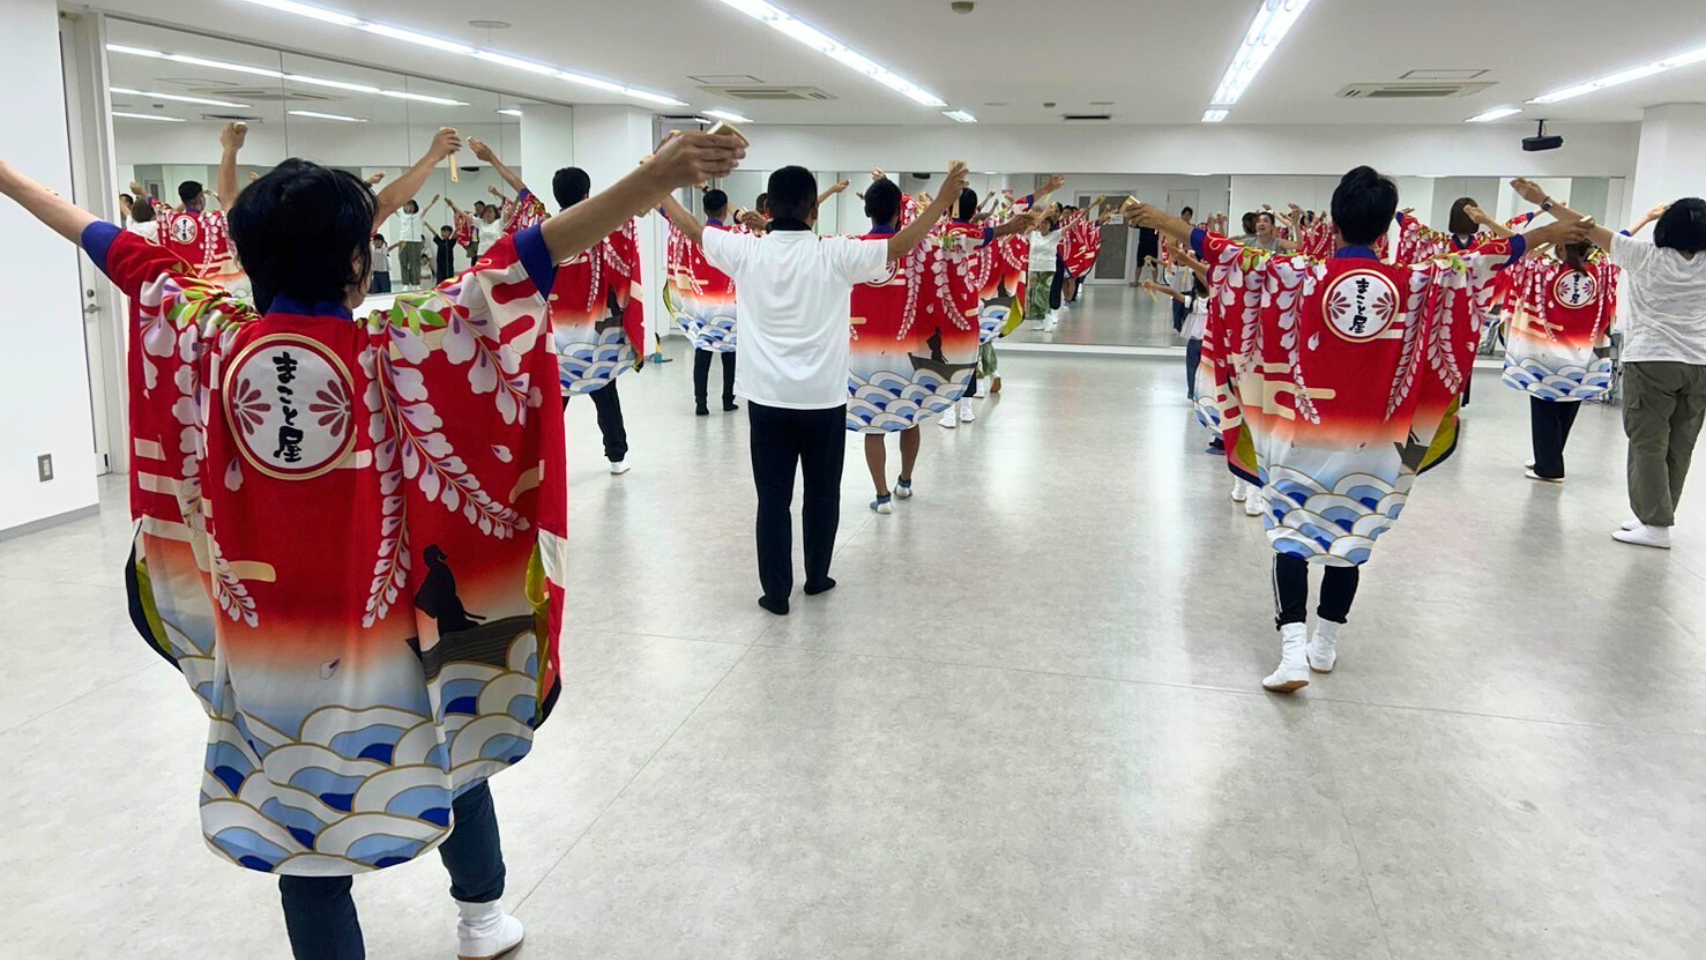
pixel 172 93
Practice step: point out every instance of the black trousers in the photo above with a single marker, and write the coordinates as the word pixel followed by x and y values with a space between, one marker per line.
pixel 815 443
pixel 1193 357
pixel 1291 591
pixel 1055 287
pixel 319 913
pixel 702 375
pixel 1550 421
pixel 608 403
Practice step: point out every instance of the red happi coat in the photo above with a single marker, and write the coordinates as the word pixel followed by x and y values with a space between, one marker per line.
pixel 351 541
pixel 200 237
pixel 699 296
pixel 990 272
pixel 1080 247
pixel 915 339
pixel 1558 317
pixel 1352 390
pixel 598 313
pixel 524 211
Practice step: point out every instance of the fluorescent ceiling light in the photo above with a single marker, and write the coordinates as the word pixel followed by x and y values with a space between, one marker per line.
pixel 222 65
pixel 1213 116
pixel 783 22
pixel 134 51
pixel 1273 19
pixel 653 97
pixel 1497 113
pixel 325 116
pixel 146 116
pixel 334 84
pixel 728 115
pixel 304 10
pixel 1633 73
pixel 180 98
pixel 587 81
pixel 959 115
pixel 424 98
pixel 504 59
pixel 509 111
pixel 409 36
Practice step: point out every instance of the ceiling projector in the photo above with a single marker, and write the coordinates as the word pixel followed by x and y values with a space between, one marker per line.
pixel 1540 141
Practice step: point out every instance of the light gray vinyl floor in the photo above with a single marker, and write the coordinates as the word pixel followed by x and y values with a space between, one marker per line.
pixel 1027 724
pixel 1110 315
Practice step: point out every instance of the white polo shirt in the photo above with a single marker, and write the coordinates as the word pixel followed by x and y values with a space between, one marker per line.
pixel 795 311
pixel 1666 295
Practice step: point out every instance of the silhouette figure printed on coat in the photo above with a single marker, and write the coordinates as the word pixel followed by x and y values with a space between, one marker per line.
pixel 437 596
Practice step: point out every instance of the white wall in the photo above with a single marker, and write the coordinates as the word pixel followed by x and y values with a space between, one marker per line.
pixel 44 384
pixel 1458 150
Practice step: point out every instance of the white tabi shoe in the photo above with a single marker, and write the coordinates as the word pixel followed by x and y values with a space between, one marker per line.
pixel 1240 491
pixel 1324 646
pixel 1645 536
pixel 618 468
pixel 1293 671
pixel 950 417
pixel 967 413
pixel 486 931
pixel 1255 504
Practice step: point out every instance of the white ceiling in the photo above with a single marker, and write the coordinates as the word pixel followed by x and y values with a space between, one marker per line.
pixel 1155 62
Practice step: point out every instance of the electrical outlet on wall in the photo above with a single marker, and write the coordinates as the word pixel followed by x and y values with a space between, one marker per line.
pixel 44 467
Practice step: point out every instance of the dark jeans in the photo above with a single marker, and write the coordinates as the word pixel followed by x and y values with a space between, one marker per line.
pixel 1193 357
pixel 610 424
pixel 1549 422
pixel 381 283
pixel 814 442
pixel 702 375
pixel 1055 288
pixel 319 912
pixel 1291 591
pixel 1180 312
pixel 971 391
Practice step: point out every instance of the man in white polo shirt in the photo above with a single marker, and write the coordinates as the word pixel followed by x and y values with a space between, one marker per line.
pixel 795 294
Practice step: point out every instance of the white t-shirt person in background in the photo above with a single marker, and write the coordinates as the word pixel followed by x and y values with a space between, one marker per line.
pixel 1664 355
pixel 795 311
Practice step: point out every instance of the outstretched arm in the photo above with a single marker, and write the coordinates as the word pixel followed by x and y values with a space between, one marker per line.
pixel 1480 216
pixel 1532 192
pixel 1049 186
pixel 404 188
pixel 230 141
pixel 914 233
pixel 682 161
pixel 59 214
pixel 1648 217
pixel 1153 217
pixel 832 191
pixel 683 219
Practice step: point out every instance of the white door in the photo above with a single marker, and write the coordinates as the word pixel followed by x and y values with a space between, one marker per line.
pixel 1178 200
pixel 1115 263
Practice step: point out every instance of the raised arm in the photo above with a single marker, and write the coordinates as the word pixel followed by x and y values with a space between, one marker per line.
pixel 832 191
pixel 914 233
pixel 1649 217
pixel 230 141
pixel 1480 216
pixel 391 199
pixel 1053 183
pixel 682 161
pixel 1154 218
pixel 60 215
pixel 683 219
pixel 1532 192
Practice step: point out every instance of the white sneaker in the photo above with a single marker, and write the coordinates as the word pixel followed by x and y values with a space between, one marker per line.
pixel 1324 646
pixel 967 414
pixel 1051 320
pixel 1631 524
pixel 1240 491
pixel 1645 536
pixel 903 490
pixel 1254 503
pixel 1037 324
pixel 1293 671
pixel 1529 464
pixel 1530 474
pixel 486 931
pixel 950 417
pixel 618 468
pixel 883 505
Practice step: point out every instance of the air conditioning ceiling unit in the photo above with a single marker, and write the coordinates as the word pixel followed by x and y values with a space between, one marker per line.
pixel 768 92
pixel 1412 90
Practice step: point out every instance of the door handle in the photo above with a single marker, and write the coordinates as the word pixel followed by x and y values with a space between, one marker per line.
pixel 89 308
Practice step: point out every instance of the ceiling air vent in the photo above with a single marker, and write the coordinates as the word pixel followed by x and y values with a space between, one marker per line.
pixel 770 92
pixel 1086 117
pixel 1389 90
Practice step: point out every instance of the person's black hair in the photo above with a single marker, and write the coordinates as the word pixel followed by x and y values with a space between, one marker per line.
pixel 142 212
pixel 882 202
pixel 1683 226
pixel 1575 255
pixel 189 192
pixel 1249 222
pixel 1273 221
pixel 447 229
pixel 1460 222
pixel 410 206
pixel 380 237
pixel 1198 288
pixel 303 231
pixel 570 185
pixel 968 204
pixel 762 204
pixel 1364 204
pixel 1187 213
pixel 716 203
pixel 792 193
